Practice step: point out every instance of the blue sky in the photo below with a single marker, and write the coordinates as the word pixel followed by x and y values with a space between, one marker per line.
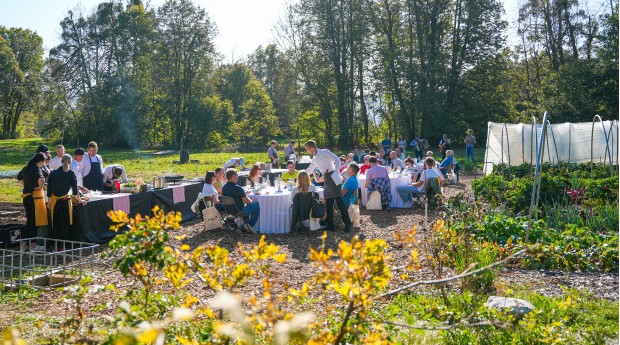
pixel 243 24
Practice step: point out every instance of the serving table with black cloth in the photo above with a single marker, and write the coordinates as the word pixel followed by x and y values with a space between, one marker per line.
pixel 164 199
pixel 91 222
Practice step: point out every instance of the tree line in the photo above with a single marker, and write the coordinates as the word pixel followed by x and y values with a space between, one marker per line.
pixel 344 72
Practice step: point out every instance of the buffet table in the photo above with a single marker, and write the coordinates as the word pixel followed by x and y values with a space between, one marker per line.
pixel 91 222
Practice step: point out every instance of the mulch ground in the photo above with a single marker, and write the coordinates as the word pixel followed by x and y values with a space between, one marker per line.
pixel 297 269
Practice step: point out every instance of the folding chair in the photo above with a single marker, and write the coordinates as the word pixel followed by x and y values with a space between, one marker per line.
pixel 432 188
pixel 302 203
pixel 232 213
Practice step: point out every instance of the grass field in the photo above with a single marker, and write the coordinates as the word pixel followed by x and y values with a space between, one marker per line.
pixel 14 154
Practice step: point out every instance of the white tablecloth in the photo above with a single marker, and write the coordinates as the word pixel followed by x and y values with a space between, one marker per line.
pixel 395 181
pixel 275 211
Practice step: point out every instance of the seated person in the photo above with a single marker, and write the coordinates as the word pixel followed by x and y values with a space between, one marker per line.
pixel 407 192
pixel 401 154
pixel 209 189
pixel 410 166
pixel 384 158
pixel 244 204
pixel 220 179
pixel 255 176
pixel 290 172
pixel 304 185
pixel 343 163
pixel 235 162
pixel 376 170
pixel 397 164
pixel 444 167
pixel 351 185
pixel 111 173
pixel 366 165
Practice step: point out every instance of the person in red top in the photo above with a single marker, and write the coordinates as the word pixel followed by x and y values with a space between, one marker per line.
pixel 366 165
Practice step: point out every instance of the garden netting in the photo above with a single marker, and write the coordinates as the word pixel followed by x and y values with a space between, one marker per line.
pixel 516 144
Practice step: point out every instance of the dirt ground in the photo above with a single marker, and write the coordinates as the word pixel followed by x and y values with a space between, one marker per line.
pixel 297 269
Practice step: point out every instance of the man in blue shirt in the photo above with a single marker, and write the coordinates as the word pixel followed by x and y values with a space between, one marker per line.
pixel 247 207
pixel 387 144
pixel 349 189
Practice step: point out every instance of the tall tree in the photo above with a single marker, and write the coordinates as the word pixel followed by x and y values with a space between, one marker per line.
pixel 185 47
pixel 21 65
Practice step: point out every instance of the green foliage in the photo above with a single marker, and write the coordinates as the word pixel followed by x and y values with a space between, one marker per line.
pixel 24 293
pixel 512 186
pixel 576 248
pixel 575 317
pixel 21 58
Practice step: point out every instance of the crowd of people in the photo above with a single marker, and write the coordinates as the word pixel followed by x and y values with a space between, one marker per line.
pixel 338 175
pixel 52 185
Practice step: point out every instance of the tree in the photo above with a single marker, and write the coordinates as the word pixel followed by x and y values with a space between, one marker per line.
pixel 185 47
pixel 21 65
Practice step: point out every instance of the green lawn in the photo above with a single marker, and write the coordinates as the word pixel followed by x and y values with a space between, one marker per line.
pixel 14 154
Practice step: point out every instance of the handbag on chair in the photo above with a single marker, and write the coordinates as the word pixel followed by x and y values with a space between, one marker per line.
pixel 212 218
pixel 317 210
pixel 374 201
pixel 354 213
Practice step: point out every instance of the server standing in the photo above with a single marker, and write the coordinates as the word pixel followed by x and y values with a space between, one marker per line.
pixel 60 202
pixel 329 165
pixel 32 180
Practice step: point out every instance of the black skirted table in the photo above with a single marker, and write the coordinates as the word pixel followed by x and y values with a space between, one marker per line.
pixel 91 222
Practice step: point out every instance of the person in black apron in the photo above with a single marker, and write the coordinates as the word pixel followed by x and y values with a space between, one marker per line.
pixel 60 202
pixel 329 164
pixel 32 180
pixel 94 179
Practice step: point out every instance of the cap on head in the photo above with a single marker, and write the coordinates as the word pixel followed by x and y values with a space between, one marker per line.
pixel 42 148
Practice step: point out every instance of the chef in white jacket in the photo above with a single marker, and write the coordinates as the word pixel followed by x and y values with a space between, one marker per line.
pixel 329 165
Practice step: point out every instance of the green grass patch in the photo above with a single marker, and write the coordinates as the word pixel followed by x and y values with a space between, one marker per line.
pixel 574 318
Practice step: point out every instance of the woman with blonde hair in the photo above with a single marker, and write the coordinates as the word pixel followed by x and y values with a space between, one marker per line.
pixel 60 202
pixel 304 185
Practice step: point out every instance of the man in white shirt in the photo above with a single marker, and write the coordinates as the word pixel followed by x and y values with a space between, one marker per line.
pixel 329 165
pixel 78 155
pixel 111 173
pixel 92 168
pixel 55 163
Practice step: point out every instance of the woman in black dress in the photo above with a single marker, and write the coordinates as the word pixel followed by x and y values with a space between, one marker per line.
pixel 32 180
pixel 60 202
